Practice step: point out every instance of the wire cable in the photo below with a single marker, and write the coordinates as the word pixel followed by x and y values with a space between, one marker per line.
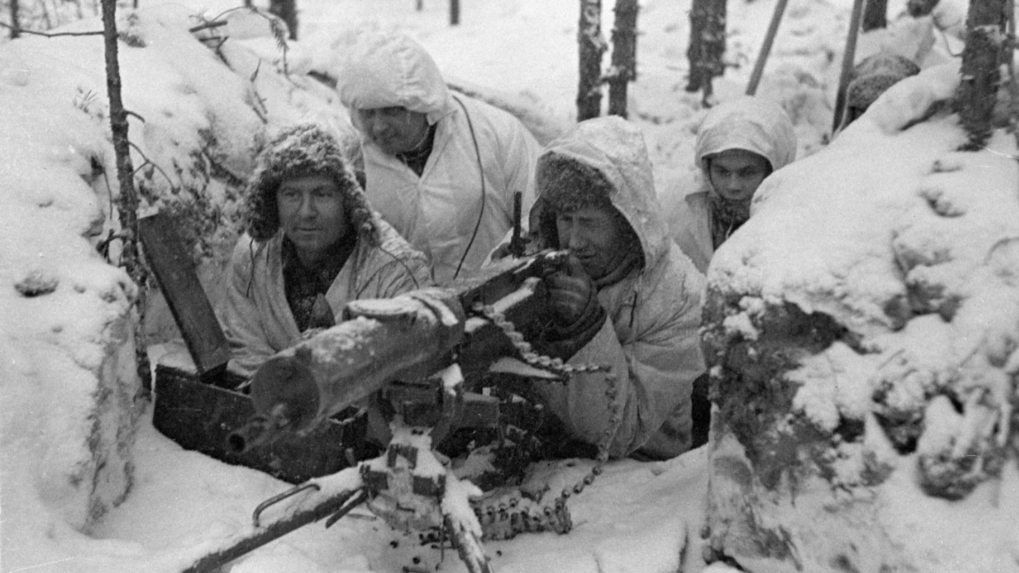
pixel 481 172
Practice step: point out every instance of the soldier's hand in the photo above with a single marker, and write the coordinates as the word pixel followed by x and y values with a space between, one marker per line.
pixel 577 314
pixel 571 294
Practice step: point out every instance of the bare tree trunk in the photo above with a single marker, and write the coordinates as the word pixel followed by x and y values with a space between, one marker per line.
pixel 1013 81
pixel 420 5
pixel 287 11
pixel 707 44
pixel 875 15
pixel 46 16
pixel 918 8
pixel 591 48
pixel 127 197
pixel 454 12
pixel 624 55
pixel 247 3
pixel 15 26
pixel 981 69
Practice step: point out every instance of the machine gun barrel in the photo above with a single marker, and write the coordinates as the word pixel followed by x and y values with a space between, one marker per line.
pixel 408 337
pixel 260 429
pixel 383 340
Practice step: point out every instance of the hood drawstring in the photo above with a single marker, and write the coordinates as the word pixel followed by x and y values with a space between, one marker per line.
pixel 636 289
pixel 253 253
pixel 633 309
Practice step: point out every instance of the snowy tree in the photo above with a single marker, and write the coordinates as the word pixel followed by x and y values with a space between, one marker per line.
pixel 875 15
pixel 127 197
pixel 707 44
pixel 624 55
pixel 919 8
pixel 287 11
pixel 14 19
pixel 591 48
pixel 981 69
pixel 21 17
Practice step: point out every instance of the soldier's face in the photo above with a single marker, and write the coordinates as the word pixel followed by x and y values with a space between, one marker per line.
pixel 736 174
pixel 393 129
pixel 312 214
pixel 594 236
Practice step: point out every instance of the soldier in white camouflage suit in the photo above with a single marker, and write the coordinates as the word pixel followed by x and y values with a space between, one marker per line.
pixel 311 245
pixel 442 168
pixel 630 301
pixel 739 143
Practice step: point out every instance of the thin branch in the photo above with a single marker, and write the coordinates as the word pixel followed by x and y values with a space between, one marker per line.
pixel 228 10
pixel 207 26
pixel 50 34
pixel 20 30
pixel 150 162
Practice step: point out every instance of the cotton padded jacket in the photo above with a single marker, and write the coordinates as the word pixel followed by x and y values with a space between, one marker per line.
pixel 650 339
pixel 481 155
pixel 745 123
pixel 256 317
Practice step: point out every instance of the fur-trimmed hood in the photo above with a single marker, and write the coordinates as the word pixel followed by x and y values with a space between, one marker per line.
pixel 298 150
pixel 610 150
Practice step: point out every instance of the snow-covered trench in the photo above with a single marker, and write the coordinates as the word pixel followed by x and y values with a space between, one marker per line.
pixel 71 396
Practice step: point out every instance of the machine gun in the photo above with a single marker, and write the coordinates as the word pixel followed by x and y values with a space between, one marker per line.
pixel 406 338
pixel 416 360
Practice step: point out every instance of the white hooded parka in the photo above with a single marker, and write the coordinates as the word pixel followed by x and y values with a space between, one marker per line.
pixel 650 340
pixel 461 206
pixel 748 123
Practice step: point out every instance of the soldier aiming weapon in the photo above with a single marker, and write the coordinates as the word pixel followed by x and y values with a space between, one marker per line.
pixel 417 362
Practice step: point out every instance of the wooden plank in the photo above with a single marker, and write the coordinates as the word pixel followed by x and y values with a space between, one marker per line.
pixel 184 294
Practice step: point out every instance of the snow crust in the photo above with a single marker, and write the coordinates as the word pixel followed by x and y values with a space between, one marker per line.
pixel 909 244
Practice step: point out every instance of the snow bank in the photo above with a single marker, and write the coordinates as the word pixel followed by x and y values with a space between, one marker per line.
pixel 864 327
pixel 70 391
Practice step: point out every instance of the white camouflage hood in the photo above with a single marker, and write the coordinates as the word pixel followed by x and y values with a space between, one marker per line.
pixel 748 123
pixel 616 149
pixel 392 71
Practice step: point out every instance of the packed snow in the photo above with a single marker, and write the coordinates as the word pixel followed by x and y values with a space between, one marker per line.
pixel 82 491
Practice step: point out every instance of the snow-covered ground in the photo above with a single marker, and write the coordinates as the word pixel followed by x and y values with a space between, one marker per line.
pixel 62 306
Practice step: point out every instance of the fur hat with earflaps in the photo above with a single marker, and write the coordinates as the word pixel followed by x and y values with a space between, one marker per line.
pixel 566 184
pixel 297 151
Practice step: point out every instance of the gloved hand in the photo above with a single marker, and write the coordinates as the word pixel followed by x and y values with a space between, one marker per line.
pixel 577 314
pixel 570 293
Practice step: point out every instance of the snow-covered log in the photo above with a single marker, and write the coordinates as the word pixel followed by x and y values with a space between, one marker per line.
pixel 863 330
